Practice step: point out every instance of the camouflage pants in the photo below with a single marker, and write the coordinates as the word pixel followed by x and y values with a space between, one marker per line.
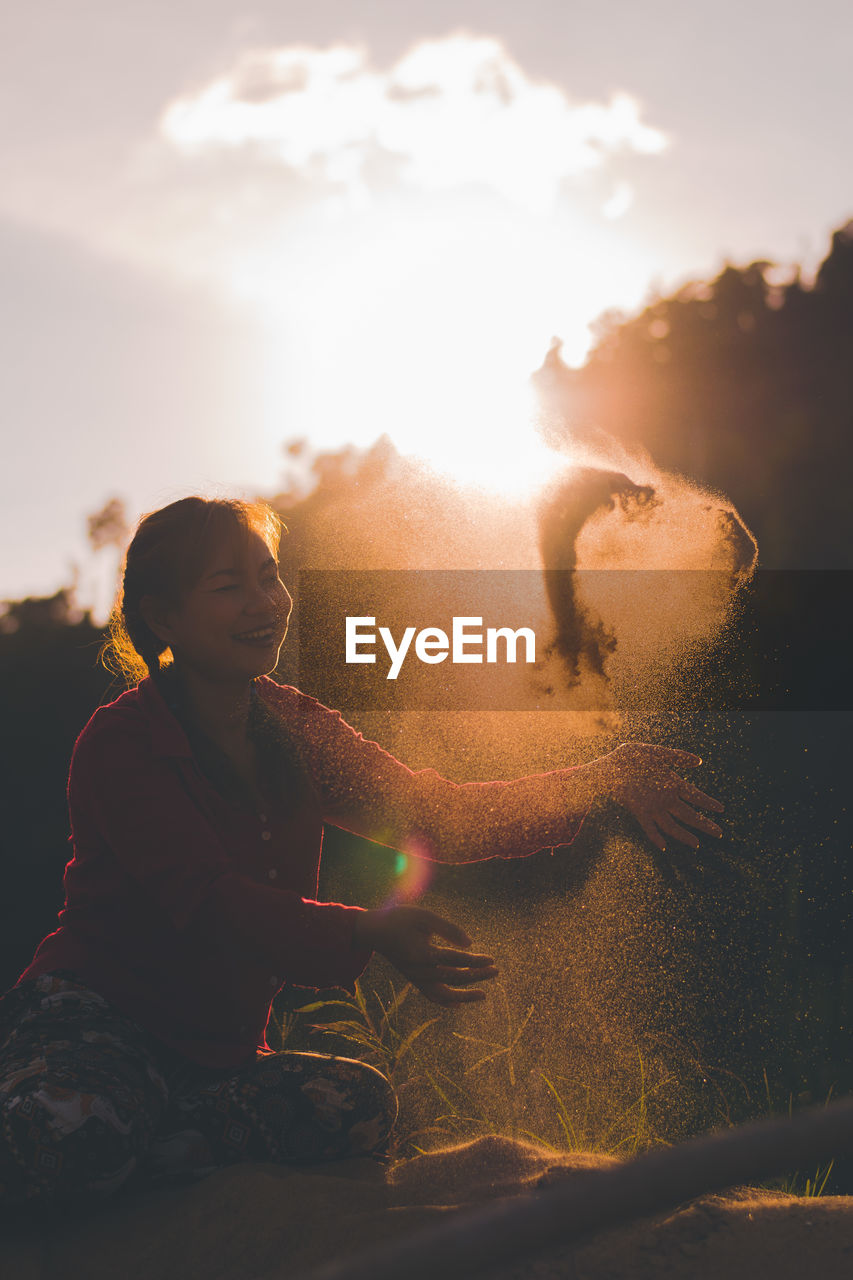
pixel 90 1103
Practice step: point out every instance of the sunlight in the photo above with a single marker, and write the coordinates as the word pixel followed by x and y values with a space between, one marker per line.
pixel 428 330
pixel 415 235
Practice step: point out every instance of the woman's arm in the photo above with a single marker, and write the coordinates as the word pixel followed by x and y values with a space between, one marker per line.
pixel 366 790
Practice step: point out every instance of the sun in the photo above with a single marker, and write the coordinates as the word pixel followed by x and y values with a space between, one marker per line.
pixel 427 329
pixel 415 233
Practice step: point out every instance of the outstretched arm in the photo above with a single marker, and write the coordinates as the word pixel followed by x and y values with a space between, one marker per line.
pixel 364 789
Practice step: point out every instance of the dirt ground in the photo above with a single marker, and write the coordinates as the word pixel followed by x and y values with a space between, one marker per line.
pixel 265 1222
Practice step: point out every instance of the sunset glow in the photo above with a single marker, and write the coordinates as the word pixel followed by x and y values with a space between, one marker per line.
pixel 427 329
pixel 435 253
pixel 323 224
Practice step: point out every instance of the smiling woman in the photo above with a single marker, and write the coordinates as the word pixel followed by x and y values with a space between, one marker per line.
pixel 195 574
pixel 133 1046
pixel 211 624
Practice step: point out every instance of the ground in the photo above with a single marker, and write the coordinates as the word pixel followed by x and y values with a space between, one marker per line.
pixel 264 1222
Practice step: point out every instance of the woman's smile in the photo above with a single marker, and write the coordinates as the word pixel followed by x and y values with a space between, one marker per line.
pixel 260 637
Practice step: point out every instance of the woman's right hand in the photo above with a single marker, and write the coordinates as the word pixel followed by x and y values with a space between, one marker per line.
pixel 403 934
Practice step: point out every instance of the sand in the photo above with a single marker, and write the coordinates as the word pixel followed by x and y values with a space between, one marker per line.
pixel 265 1222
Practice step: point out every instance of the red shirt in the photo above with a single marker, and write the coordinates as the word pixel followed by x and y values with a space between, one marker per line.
pixel 188 912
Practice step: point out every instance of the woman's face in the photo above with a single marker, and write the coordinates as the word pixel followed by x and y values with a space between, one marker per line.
pixel 231 624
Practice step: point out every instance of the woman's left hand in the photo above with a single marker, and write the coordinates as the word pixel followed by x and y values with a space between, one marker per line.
pixel 403 934
pixel 642 778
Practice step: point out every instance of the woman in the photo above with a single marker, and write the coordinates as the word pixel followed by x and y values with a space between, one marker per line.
pixel 133 1045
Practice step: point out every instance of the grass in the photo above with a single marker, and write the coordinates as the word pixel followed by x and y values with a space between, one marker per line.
pixel 627 1135
pixel 373 1027
pixel 495 1091
pixel 489 1085
pixel 798 1183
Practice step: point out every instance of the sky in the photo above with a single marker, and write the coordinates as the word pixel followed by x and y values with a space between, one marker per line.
pixel 225 226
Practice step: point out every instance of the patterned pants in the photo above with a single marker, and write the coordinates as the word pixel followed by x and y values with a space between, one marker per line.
pixel 90 1102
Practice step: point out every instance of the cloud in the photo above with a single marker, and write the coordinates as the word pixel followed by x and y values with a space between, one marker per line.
pixel 619 202
pixel 449 113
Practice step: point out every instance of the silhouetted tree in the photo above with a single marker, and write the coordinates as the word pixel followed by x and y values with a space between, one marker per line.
pixel 741 384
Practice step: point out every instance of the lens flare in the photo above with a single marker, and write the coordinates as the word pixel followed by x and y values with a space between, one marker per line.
pixel 412 876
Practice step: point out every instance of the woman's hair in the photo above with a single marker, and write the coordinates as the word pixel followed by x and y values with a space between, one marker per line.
pixel 165 559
